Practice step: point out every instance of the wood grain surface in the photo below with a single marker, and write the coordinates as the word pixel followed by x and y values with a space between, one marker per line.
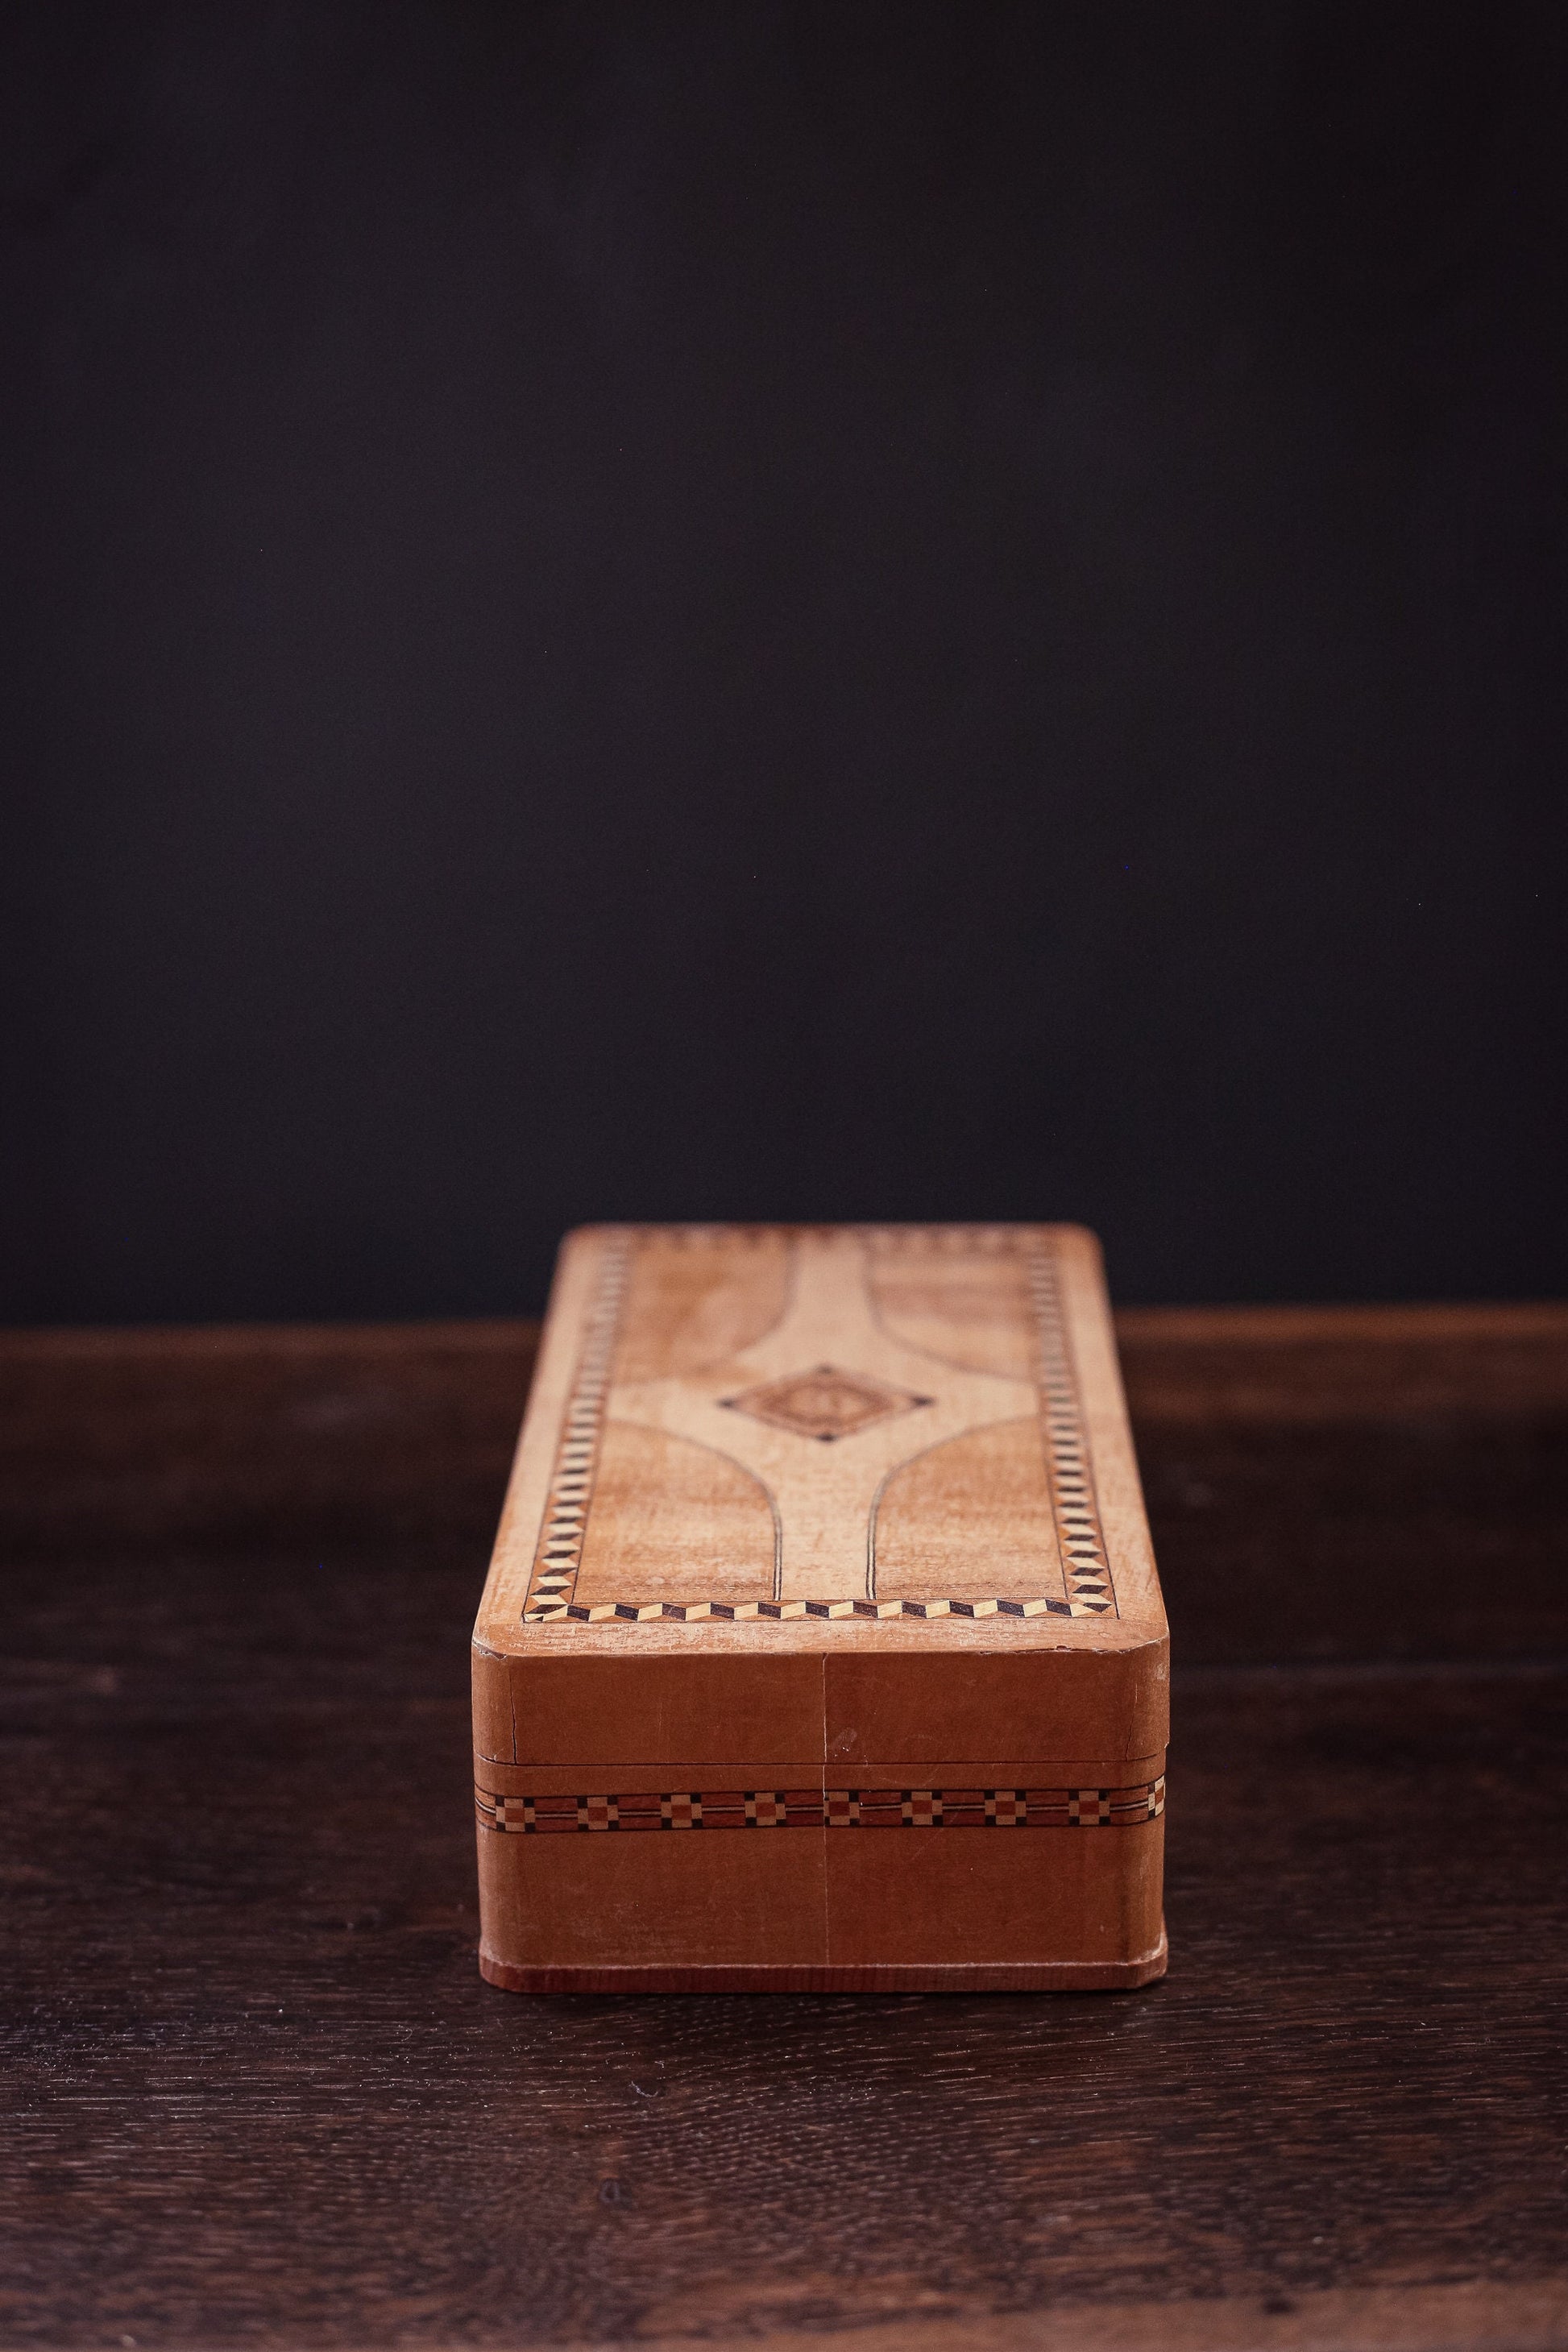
pixel 258 2094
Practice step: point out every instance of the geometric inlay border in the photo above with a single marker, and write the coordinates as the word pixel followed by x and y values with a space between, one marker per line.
pixel 865 1809
pixel 1074 1500
pixel 565 1523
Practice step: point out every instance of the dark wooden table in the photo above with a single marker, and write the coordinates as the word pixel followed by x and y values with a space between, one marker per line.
pixel 258 2094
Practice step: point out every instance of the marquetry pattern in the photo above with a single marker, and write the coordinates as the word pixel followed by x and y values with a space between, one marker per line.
pixel 1086 1566
pixel 560 1549
pixel 825 1403
pixel 816 1808
pixel 1073 1500
pixel 694 1612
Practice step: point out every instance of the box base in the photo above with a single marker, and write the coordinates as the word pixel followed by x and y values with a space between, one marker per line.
pixel 1015 1976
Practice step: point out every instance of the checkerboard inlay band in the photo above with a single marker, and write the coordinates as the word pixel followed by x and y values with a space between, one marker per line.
pixel 543 1814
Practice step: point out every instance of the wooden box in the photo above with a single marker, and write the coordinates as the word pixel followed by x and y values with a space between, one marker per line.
pixel 822 1647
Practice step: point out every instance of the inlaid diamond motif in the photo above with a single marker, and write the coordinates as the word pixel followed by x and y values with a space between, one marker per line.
pixel 825 1403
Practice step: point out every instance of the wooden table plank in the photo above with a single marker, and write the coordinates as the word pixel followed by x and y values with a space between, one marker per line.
pixel 260 2095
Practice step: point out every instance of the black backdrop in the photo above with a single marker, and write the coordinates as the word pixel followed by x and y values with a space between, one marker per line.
pixel 819 610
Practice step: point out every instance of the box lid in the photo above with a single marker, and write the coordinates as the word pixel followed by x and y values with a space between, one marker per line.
pixel 824 1495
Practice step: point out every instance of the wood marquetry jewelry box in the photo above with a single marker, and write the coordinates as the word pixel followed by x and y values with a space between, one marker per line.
pixel 823 1532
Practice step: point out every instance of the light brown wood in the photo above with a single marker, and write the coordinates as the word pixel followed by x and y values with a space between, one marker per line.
pixel 822 1531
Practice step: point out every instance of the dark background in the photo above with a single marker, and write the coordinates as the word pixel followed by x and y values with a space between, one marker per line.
pixel 820 611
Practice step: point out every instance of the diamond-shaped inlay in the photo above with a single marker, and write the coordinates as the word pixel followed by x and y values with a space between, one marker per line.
pixel 825 1402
